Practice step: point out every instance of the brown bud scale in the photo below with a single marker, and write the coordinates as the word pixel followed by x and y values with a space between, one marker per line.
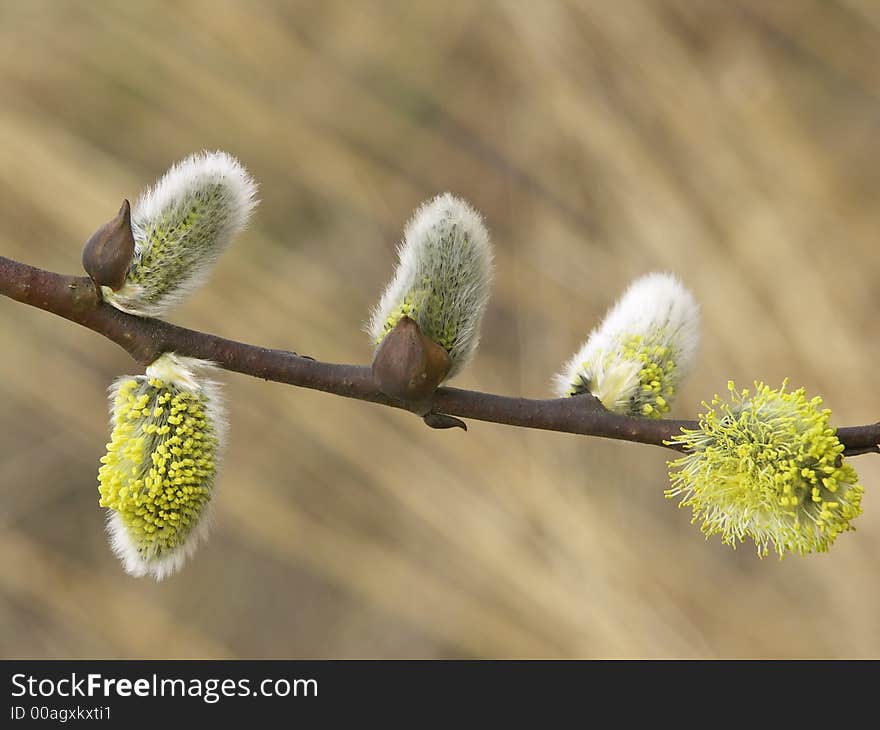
pixel 408 366
pixel 109 251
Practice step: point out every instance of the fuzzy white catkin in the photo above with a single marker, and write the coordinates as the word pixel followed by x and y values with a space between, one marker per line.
pixel 181 225
pixel 635 360
pixel 442 280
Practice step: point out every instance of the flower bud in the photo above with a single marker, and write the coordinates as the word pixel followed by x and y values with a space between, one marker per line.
pixel 157 478
pixel 181 226
pixel 635 360
pixel 442 279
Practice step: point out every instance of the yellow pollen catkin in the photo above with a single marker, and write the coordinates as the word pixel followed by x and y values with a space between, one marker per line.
pixel 159 468
pixel 637 377
pixel 767 467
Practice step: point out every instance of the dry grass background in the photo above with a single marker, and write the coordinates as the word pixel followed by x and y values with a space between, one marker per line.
pixel 733 143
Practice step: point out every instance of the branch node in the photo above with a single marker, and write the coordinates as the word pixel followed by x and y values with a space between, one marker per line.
pixel 408 366
pixel 109 251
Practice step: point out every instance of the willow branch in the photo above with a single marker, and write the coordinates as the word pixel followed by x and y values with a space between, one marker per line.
pixel 77 299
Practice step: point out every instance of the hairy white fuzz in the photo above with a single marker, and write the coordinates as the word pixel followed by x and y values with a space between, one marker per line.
pixel 442 280
pixel 181 226
pixel 157 479
pixel 159 568
pixel 635 360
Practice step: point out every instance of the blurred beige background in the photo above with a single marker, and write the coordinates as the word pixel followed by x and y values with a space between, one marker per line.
pixel 733 143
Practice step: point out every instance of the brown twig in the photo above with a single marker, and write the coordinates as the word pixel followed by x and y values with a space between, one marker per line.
pixel 76 298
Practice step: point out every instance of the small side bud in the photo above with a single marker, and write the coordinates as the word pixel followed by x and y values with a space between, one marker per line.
pixel 407 365
pixel 443 421
pixel 181 226
pixel 636 359
pixel 157 478
pixel 442 280
pixel 109 251
pixel 769 467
